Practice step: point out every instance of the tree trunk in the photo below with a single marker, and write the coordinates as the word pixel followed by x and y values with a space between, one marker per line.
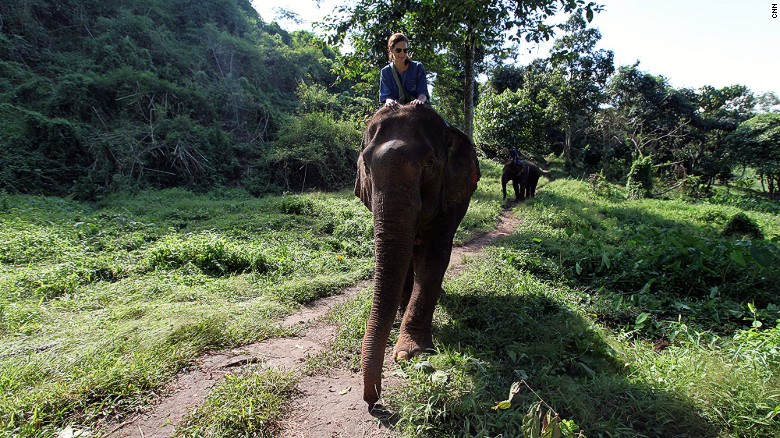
pixel 468 89
pixel 568 140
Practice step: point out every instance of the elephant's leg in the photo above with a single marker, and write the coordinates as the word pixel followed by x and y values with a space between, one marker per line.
pixel 430 263
pixel 503 185
pixel 406 293
pixel 518 191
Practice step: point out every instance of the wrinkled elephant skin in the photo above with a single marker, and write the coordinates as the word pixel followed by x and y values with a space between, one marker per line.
pixel 416 175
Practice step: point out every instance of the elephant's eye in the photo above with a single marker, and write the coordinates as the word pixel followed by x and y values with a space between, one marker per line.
pixel 429 163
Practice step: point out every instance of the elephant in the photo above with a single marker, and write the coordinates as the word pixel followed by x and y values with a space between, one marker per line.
pixel 417 175
pixel 524 176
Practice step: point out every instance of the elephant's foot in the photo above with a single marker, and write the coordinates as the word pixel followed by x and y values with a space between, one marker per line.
pixel 408 347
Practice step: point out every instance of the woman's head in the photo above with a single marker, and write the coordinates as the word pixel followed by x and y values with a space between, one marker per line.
pixel 398 45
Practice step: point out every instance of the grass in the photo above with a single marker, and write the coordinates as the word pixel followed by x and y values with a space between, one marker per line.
pixel 628 318
pixel 609 310
pixel 248 403
pixel 102 304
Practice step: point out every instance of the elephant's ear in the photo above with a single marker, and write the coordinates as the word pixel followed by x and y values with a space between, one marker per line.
pixel 462 171
pixel 363 183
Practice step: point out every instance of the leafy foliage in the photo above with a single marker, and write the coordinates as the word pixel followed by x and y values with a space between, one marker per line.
pixel 756 143
pixel 96 97
pixel 639 183
pixel 510 120
pixel 315 151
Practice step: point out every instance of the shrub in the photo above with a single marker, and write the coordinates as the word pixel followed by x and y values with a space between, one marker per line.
pixel 694 186
pixel 741 225
pixel 316 151
pixel 40 154
pixel 640 178
pixel 211 253
pixel 296 205
pixel 600 186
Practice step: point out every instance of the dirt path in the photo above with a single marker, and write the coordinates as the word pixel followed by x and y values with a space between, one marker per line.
pixel 329 406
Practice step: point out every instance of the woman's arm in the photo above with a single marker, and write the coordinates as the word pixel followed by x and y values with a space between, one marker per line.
pixel 421 87
pixel 387 88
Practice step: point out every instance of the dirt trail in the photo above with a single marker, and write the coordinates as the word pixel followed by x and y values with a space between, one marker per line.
pixel 329 406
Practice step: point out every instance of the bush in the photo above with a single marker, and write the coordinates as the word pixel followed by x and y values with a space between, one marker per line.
pixel 507 120
pixel 317 152
pixel 40 154
pixel 741 225
pixel 213 254
pixel 640 178
pixel 296 205
pixel 600 186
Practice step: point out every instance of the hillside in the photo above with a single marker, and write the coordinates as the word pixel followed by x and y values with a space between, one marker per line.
pixel 96 95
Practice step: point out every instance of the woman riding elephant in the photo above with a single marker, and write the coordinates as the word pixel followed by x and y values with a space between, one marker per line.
pixel 402 81
pixel 524 176
pixel 416 175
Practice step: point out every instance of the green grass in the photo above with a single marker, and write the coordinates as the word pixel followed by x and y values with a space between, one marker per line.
pixel 248 403
pixel 629 318
pixel 612 352
pixel 102 304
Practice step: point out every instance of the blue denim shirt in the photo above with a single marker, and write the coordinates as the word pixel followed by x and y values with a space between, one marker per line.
pixel 414 81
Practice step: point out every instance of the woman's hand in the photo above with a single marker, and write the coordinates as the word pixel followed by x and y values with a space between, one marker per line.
pixel 391 103
pixel 421 99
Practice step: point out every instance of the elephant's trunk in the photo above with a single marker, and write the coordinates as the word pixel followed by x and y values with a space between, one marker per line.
pixel 394 232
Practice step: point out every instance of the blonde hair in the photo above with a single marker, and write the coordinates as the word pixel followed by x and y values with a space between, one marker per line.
pixel 393 40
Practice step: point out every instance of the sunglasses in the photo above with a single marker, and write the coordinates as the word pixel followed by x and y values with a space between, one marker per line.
pixel 399 50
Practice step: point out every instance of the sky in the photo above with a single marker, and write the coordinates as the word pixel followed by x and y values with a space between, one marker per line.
pixel 690 42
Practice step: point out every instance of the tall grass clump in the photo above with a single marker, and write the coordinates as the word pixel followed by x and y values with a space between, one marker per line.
pixel 248 403
pixel 211 253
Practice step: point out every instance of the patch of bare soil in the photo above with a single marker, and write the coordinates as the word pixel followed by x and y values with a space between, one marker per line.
pixel 329 405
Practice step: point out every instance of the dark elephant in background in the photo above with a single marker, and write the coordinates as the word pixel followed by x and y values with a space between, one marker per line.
pixel 524 176
pixel 416 175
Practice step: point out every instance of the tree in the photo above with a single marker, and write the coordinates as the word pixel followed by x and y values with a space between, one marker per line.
pixel 510 120
pixel 768 102
pixel 471 30
pixel 506 77
pixel 518 110
pixel 583 72
pixel 650 116
pixel 756 143
pixel 720 112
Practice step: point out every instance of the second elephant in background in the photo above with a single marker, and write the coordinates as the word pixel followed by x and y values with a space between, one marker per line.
pixel 524 176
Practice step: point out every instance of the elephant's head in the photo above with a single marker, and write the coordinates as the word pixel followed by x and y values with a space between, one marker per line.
pixel 416 175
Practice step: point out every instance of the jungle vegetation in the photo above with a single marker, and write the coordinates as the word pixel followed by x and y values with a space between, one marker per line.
pixel 96 98
pixel 174 179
